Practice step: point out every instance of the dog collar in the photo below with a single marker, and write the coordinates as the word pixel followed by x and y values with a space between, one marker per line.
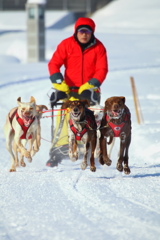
pixel 117 128
pixel 24 128
pixel 21 123
pixel 79 134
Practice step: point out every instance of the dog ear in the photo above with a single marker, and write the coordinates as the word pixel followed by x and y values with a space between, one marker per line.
pixel 44 107
pixel 86 103
pixel 41 107
pixel 106 105
pixel 19 100
pixel 32 99
pixel 123 99
pixel 66 104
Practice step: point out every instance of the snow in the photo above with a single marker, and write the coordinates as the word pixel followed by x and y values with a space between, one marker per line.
pixel 8 21
pixel 66 203
pixel 130 17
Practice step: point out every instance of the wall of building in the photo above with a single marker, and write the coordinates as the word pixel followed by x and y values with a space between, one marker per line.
pixel 70 5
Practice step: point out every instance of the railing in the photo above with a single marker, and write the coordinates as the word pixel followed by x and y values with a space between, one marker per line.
pixel 70 5
pixel 12 4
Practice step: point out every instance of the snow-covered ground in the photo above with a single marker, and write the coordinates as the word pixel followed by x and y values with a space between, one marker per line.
pixel 66 203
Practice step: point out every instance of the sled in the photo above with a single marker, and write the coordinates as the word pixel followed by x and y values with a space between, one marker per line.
pixel 59 126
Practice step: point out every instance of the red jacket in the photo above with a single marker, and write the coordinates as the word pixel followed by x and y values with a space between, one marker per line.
pixel 80 67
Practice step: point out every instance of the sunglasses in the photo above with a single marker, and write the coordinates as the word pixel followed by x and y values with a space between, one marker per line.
pixel 84 31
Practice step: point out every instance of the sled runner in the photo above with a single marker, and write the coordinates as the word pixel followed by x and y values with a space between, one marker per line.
pixel 59 126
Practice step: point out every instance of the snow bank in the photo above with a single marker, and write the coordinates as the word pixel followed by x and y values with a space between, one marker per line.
pixel 4 59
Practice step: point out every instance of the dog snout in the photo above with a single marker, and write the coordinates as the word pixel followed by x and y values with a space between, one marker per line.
pixel 75 109
pixel 27 113
pixel 115 110
pixel 115 107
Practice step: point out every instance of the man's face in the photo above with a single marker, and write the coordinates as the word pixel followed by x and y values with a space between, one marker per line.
pixel 84 35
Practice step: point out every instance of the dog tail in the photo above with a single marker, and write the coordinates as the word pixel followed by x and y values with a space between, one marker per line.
pixel 110 140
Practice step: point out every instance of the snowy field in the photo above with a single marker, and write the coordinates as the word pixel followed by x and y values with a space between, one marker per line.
pixel 66 203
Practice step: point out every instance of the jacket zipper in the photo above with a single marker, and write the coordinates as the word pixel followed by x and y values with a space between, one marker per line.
pixel 82 67
pixel 83 63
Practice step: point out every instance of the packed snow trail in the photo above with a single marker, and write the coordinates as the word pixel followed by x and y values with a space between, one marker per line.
pixel 77 202
pixel 41 203
pixel 105 204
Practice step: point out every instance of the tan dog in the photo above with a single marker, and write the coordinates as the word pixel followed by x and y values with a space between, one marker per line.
pixel 21 123
pixel 34 144
pixel 116 122
pixel 82 128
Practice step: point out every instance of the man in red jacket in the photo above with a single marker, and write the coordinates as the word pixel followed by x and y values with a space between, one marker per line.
pixel 84 58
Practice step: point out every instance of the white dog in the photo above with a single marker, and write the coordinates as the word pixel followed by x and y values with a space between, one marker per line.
pixel 98 113
pixel 21 123
pixel 34 144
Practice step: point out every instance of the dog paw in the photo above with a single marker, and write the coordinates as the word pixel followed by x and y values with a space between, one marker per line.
pixel 33 152
pixel 101 161
pixel 23 164
pixel 93 169
pixel 26 154
pixel 73 159
pixel 107 161
pixel 83 165
pixel 126 170
pixel 119 167
pixel 29 159
pixel 12 170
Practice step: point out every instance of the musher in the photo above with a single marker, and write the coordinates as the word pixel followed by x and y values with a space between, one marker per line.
pixel 85 61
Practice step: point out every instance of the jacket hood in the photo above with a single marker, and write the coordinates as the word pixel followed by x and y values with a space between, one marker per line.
pixel 85 21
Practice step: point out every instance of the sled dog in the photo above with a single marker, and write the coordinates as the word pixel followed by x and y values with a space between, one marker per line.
pixel 116 122
pixel 34 144
pixel 82 128
pixel 22 125
pixel 98 113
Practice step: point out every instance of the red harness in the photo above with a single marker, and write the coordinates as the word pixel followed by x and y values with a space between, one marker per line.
pixel 117 128
pixel 21 123
pixel 78 134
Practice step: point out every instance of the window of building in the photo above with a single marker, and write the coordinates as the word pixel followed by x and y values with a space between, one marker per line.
pixel 31 13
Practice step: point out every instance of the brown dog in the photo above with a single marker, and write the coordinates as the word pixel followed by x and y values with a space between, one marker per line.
pixel 116 122
pixel 21 124
pixel 82 128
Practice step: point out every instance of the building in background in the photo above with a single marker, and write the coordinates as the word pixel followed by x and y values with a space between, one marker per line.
pixel 35 10
pixel 35 30
pixel 87 6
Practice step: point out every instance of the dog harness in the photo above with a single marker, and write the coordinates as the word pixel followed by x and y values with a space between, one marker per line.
pixel 21 123
pixel 117 128
pixel 78 134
